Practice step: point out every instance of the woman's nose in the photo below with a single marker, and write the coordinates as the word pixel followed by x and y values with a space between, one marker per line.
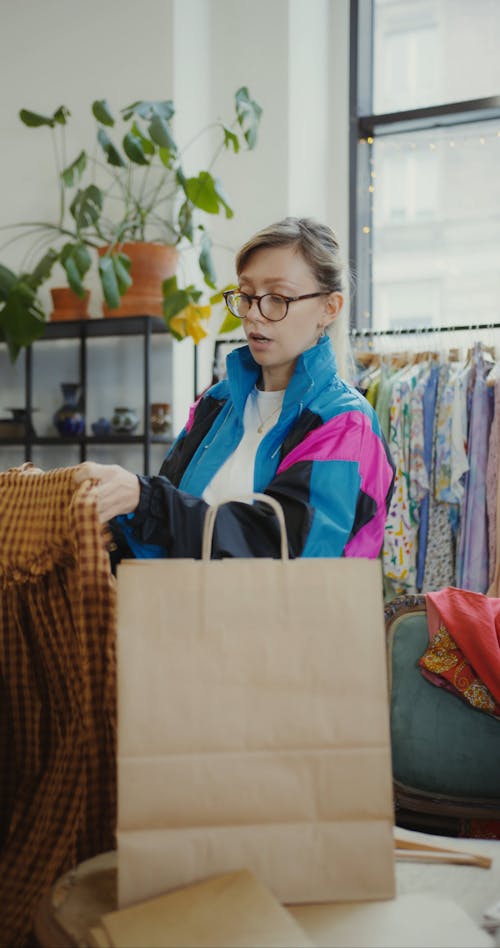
pixel 254 310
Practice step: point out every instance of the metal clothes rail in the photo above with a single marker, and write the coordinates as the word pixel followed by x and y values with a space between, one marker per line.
pixel 420 331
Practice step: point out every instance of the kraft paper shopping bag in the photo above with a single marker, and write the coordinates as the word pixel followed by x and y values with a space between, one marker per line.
pixel 253 726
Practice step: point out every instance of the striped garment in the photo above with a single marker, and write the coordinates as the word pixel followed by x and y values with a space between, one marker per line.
pixel 57 688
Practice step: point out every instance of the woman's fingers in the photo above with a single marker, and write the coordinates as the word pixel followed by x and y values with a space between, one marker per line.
pixel 118 490
pixel 88 470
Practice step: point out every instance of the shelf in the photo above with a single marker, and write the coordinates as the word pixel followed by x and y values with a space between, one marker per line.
pixel 81 331
pixel 106 326
pixel 87 439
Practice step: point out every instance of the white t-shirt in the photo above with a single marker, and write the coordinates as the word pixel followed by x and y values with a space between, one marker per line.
pixel 236 476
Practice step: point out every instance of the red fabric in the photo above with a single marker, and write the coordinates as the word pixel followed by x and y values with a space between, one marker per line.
pixel 473 621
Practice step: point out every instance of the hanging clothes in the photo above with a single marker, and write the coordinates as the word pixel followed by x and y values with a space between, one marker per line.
pixel 440 427
pixel 493 495
pixel 440 558
pixel 428 408
pixel 407 450
pixel 58 693
pixel 473 541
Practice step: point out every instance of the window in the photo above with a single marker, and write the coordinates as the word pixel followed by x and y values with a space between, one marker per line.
pixel 425 198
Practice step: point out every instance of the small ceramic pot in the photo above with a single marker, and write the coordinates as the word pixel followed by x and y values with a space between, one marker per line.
pixel 102 427
pixel 160 417
pixel 124 420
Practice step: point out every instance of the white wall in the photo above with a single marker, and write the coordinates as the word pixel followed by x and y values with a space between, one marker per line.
pixel 293 56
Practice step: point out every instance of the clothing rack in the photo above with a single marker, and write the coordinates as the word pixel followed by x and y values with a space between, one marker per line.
pixel 372 333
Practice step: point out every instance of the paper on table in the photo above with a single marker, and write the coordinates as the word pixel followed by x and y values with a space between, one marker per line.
pixel 233 910
pixel 409 921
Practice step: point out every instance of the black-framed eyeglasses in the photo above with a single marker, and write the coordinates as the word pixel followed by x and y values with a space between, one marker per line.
pixel 272 306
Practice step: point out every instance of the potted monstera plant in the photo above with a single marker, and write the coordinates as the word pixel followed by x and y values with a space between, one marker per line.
pixel 126 201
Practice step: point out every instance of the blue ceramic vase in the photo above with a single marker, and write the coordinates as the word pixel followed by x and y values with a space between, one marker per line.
pixel 69 419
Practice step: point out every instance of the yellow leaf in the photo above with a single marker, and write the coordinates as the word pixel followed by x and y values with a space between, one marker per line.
pixel 189 322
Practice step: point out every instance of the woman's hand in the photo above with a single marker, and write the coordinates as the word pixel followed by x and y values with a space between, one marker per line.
pixel 118 491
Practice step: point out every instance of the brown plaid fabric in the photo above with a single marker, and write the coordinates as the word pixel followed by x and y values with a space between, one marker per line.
pixel 57 688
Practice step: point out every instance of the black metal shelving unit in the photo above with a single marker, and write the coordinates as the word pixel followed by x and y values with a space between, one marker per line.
pixel 83 330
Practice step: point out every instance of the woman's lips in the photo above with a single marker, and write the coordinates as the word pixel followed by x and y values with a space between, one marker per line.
pixel 259 340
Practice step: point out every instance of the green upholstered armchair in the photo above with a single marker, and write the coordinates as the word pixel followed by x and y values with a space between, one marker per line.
pixel 445 753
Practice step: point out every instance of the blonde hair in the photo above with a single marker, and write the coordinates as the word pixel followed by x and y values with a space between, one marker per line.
pixel 319 247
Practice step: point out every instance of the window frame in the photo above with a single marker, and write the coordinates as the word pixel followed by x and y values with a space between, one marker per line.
pixel 365 125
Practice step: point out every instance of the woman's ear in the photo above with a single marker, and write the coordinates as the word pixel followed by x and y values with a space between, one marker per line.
pixel 333 305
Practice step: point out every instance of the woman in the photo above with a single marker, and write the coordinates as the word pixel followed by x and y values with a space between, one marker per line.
pixel 281 423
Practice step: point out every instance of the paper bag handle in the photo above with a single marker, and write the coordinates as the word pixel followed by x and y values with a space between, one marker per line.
pixel 209 524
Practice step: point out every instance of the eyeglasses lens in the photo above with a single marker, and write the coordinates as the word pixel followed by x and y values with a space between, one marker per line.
pixel 271 306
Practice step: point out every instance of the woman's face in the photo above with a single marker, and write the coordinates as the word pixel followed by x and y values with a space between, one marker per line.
pixel 276 346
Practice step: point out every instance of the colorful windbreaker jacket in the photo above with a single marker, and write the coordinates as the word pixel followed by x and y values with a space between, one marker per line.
pixel 325 461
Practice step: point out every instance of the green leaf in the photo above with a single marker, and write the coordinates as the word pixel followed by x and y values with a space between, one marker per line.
pixel 86 206
pixel 185 220
pixel 173 303
pixel 82 258
pixel 218 296
pixel 102 112
pixel 206 262
pixel 42 270
pixel 122 265
pixel 147 145
pixel 109 282
pixel 73 173
pixel 170 285
pixel 147 108
pixel 230 323
pixel 34 120
pixel 73 276
pixel 61 115
pixel 7 281
pixel 161 134
pixel 222 197
pixel 165 156
pixel 248 113
pixel 115 278
pixel 202 193
pixel 133 148
pixel 231 140
pixel 112 154
pixel 22 319
pixel 164 108
pixel 76 260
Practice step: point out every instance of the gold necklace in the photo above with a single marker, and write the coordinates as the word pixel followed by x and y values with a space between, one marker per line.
pixel 264 421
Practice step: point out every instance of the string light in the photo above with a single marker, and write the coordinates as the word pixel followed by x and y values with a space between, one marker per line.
pixel 397 143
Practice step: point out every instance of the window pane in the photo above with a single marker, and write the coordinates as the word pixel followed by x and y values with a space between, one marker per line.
pixel 428 52
pixel 436 227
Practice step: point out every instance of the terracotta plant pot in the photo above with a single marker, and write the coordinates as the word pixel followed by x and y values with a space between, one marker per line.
pixel 151 264
pixel 67 305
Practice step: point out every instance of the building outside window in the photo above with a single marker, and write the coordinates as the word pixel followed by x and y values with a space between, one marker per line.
pixel 425 203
